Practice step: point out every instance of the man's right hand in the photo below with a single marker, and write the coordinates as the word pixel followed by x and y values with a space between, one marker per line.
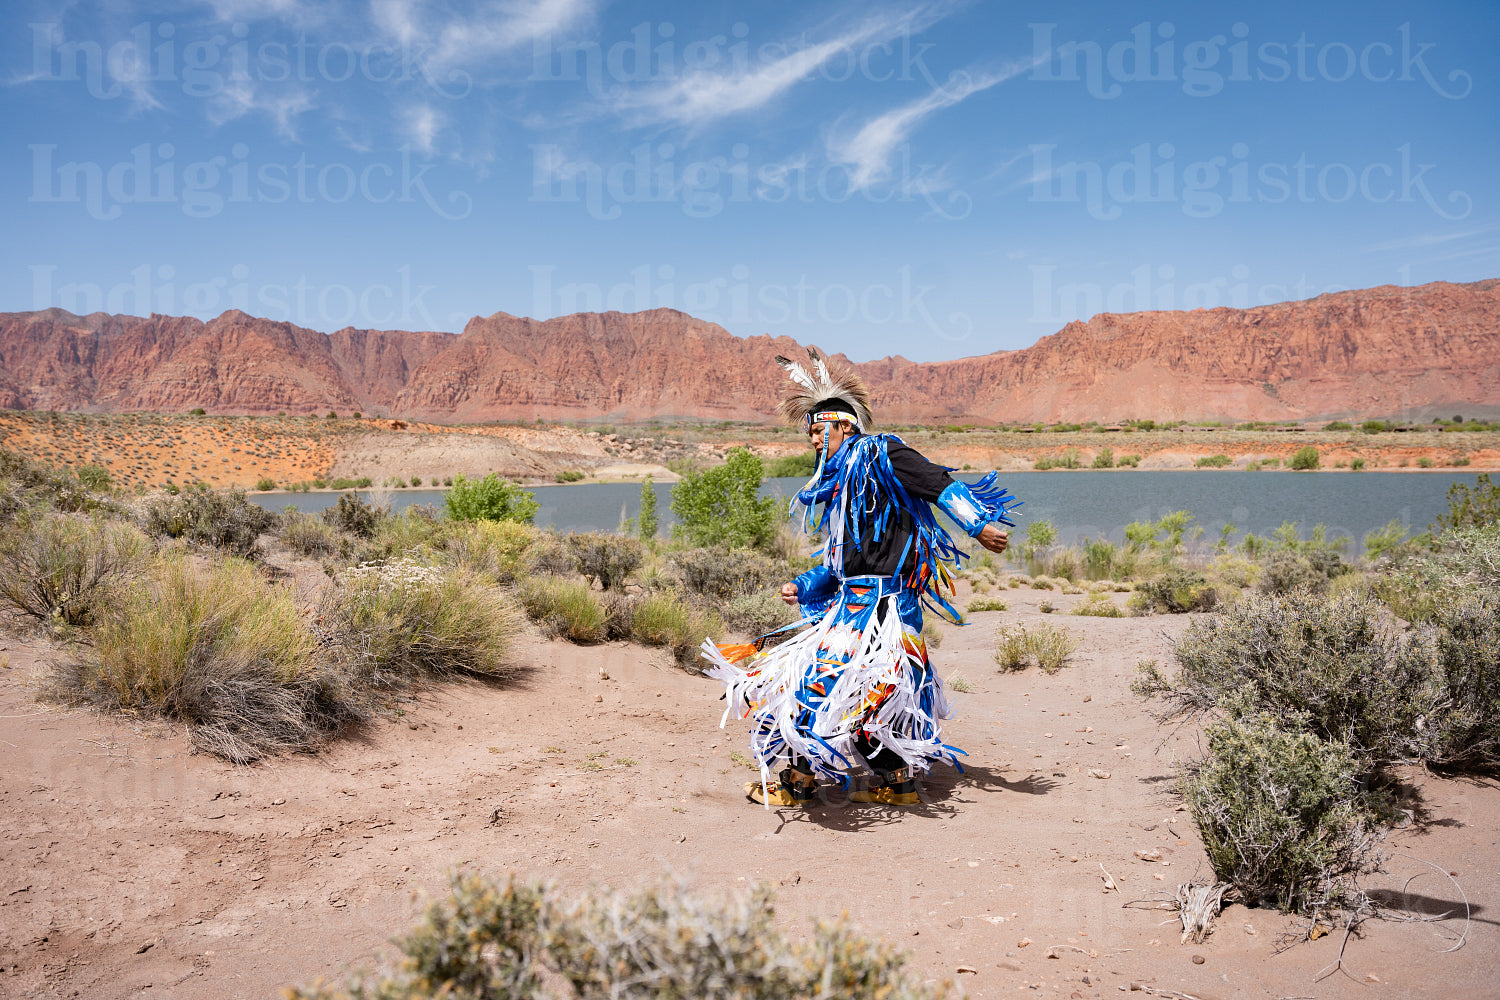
pixel 789 593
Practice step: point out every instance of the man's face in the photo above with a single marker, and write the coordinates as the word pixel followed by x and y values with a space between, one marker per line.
pixel 837 434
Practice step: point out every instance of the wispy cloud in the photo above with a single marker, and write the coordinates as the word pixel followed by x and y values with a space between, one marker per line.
pixel 1425 240
pixel 421 124
pixel 704 96
pixel 496 29
pixel 869 150
pixel 242 98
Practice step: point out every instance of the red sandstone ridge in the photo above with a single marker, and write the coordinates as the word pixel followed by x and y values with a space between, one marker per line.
pixel 1374 352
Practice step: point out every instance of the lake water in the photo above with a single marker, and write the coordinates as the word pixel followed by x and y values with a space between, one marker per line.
pixel 1081 504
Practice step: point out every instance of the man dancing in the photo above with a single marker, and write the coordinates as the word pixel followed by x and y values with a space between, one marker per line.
pixel 854 690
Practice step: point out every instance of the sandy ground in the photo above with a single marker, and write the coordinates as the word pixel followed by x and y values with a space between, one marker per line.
pixel 133 868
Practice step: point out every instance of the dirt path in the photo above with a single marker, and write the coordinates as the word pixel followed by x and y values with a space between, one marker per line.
pixel 131 867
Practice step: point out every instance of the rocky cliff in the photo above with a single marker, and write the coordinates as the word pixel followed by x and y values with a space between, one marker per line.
pixel 1375 352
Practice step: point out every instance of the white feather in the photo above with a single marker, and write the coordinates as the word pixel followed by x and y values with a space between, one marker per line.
pixel 799 375
pixel 823 373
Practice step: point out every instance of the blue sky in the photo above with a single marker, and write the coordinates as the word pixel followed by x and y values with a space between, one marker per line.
pixel 933 180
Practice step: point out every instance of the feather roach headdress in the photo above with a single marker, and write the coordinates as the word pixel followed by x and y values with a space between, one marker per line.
pixel 817 392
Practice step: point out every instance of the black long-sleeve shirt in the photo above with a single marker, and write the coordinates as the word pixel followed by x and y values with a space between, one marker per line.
pixel 923 482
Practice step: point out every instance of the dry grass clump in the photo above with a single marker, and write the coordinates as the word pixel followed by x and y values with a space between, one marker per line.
pixel 218 650
pixel 64 570
pixel 660 943
pixel 986 604
pixel 308 536
pixel 1099 605
pixel 1282 815
pixel 563 608
pixel 495 548
pixel 404 621
pixel 353 515
pixel 725 573
pixel 223 520
pixel 1044 646
pixel 759 613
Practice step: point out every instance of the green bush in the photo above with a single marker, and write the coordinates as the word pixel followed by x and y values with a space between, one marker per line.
pixel 342 483
pixel 1466 650
pixel 1067 460
pixel 1045 646
pixel 1132 461
pixel 722 506
pixel 66 570
pixel 799 466
pixel 1282 816
pixel 660 619
pixel 219 651
pixel 221 519
pixel 1212 462
pixel 265 484
pixel 563 608
pixel 1381 541
pixel 1304 459
pixel 492 941
pixel 403 621
pixel 569 476
pixel 97 477
pixel 490 499
pixel 1471 506
pixel 1337 668
pixel 646 523
pixel 1105 459
pixel 353 515
pixel 605 557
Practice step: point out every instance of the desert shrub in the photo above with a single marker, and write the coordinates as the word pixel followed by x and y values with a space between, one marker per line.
pixel 758 613
pixel 307 536
pixel 495 548
pixel 404 621
pixel 659 943
pixel 265 484
pixel 344 483
pixel 727 573
pixel 219 651
pixel 563 608
pixel 1303 459
pixel 986 604
pixel 605 557
pixel 1099 605
pixel 1459 562
pixel 490 499
pixel 1287 571
pixel 1105 459
pixel 1067 460
pixel 350 513
pixel 416 530
pixel 1212 462
pixel 35 484
pixel 1235 572
pixel 94 477
pixel 932 635
pixel 223 519
pixel 1130 461
pixel 549 555
pixel 1336 668
pixel 1177 591
pixel 722 506
pixel 1045 646
pixel 619 614
pixel 1282 816
pixel 65 570
pixel 1465 729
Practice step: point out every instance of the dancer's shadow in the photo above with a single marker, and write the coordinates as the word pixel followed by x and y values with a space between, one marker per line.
pixel 939 796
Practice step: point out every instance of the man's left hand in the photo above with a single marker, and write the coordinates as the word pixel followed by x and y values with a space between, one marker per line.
pixel 993 537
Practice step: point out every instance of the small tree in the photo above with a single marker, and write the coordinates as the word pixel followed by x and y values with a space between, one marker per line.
pixel 723 505
pixel 490 499
pixel 1304 459
pixel 646 524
